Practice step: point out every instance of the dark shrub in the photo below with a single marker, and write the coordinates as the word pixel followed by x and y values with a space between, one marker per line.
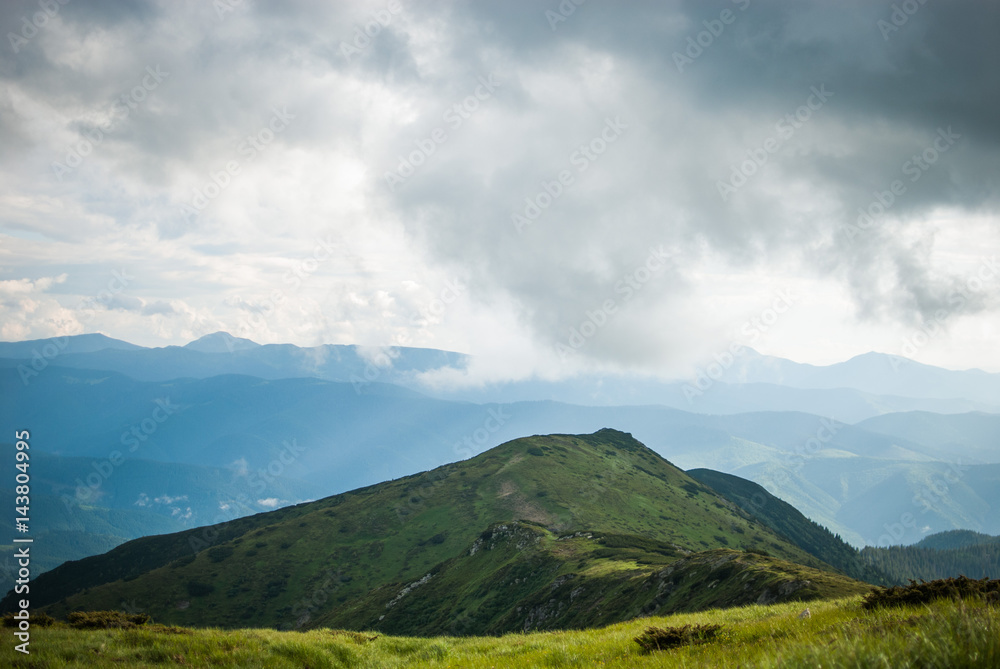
pixel 927 591
pixel 103 620
pixel 220 553
pixel 43 620
pixel 196 589
pixel 275 587
pixel 182 561
pixel 36 620
pixel 662 638
pixel 359 638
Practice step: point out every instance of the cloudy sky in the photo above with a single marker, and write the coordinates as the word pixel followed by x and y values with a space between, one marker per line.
pixel 549 186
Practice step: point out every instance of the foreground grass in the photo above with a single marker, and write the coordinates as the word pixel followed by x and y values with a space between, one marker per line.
pixel 838 634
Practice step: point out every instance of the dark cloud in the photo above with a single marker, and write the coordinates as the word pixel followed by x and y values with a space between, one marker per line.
pixel 890 97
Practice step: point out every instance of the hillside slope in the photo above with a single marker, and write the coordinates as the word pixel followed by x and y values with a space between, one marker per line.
pixel 788 522
pixel 342 558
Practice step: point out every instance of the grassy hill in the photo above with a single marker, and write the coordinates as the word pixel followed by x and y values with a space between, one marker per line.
pixel 602 510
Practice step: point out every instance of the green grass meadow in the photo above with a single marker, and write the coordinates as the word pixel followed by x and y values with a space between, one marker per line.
pixel 839 633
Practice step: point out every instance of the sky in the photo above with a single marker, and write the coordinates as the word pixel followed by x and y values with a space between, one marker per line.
pixel 553 187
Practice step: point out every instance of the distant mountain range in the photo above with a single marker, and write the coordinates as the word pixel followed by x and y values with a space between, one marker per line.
pixel 863 387
pixel 246 428
pixel 546 532
pixel 875 373
pixel 222 354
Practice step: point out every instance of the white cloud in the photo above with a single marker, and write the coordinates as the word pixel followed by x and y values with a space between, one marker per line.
pixel 300 239
pixel 167 499
pixel 240 467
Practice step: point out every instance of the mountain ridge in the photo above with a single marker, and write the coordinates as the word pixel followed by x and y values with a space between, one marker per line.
pixel 867 385
pixel 253 571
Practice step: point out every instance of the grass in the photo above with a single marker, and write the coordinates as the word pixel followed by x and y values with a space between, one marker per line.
pixel 839 633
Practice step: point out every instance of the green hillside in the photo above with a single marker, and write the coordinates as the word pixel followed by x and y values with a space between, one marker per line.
pixel 520 577
pixel 340 560
pixel 788 522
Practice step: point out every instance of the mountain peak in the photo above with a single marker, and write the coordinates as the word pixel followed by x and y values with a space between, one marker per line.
pixel 220 342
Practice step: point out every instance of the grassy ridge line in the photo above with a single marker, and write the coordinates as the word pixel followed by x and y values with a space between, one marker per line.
pixel 838 634
pixel 338 552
